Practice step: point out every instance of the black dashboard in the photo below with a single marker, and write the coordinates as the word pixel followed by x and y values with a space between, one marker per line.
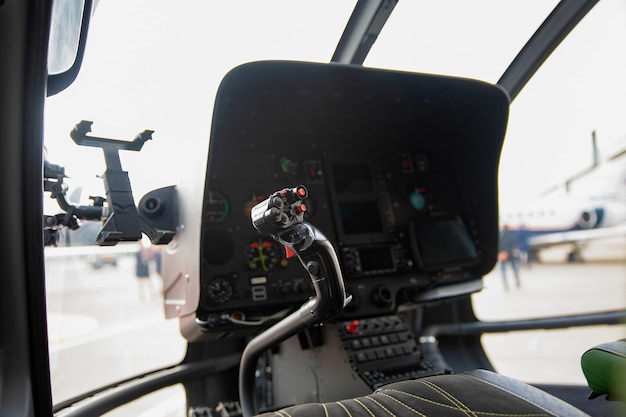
pixel 401 170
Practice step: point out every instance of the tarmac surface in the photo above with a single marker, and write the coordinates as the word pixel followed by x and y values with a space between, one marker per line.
pixel 103 327
pixel 550 289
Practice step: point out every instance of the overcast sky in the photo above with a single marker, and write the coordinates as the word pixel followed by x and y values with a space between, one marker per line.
pixel 150 65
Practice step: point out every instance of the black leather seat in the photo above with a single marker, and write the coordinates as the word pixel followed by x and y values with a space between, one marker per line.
pixel 476 393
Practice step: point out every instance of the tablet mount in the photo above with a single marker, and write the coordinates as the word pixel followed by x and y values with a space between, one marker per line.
pixel 123 221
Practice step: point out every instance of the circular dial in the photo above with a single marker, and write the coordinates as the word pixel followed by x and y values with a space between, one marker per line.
pixel 219 290
pixel 252 201
pixel 216 206
pixel 264 255
pixel 421 198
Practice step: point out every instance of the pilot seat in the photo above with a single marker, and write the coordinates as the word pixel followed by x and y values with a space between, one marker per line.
pixel 473 393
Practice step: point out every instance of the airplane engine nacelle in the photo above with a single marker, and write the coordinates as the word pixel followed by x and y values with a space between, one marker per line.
pixel 591 218
pixel 609 214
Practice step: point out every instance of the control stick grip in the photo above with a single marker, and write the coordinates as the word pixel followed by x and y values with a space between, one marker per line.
pixel 281 216
pixel 281 210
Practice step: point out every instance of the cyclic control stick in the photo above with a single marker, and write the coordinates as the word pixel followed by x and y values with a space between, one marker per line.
pixel 281 216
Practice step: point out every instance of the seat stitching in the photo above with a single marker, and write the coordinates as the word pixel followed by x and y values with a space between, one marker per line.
pixel 344 407
pixel 381 406
pixel 512 393
pixel 486 413
pixel 282 413
pixel 404 404
pixel 449 396
pixel 364 406
pixel 380 391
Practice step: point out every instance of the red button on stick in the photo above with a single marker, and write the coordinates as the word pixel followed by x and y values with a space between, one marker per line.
pixel 352 327
pixel 301 192
pixel 301 208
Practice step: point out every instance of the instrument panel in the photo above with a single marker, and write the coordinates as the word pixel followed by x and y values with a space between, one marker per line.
pixel 400 191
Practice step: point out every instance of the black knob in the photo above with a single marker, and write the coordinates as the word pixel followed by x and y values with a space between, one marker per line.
pixel 382 296
pixel 314 268
pixel 152 207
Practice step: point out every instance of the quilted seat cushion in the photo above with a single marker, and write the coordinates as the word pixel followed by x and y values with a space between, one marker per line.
pixel 475 393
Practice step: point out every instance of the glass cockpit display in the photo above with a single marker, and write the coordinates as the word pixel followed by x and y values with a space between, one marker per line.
pixel 443 243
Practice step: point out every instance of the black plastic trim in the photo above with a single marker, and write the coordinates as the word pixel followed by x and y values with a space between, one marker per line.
pixel 544 41
pixel 366 22
pixel 613 317
pixel 107 398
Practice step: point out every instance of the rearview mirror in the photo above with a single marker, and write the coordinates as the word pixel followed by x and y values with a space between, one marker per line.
pixel 68 33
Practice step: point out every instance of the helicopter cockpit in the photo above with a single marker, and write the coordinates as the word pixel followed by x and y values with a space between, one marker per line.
pixel 308 236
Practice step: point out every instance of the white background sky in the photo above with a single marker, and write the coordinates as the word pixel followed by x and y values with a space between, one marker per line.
pixel 150 65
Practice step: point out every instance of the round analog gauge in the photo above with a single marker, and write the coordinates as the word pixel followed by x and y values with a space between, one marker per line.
pixel 216 206
pixel 253 201
pixel 264 255
pixel 219 290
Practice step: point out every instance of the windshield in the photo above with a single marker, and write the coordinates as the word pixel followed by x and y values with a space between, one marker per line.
pixel 150 65
pixel 474 39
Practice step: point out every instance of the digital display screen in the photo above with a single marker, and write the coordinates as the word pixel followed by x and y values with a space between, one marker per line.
pixel 352 178
pixel 444 243
pixel 357 200
pixel 360 217
pixel 376 258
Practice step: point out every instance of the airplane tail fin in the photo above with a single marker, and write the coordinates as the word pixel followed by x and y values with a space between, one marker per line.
pixel 595 149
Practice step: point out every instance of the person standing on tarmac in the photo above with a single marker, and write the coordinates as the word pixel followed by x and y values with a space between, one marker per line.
pixel 507 254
